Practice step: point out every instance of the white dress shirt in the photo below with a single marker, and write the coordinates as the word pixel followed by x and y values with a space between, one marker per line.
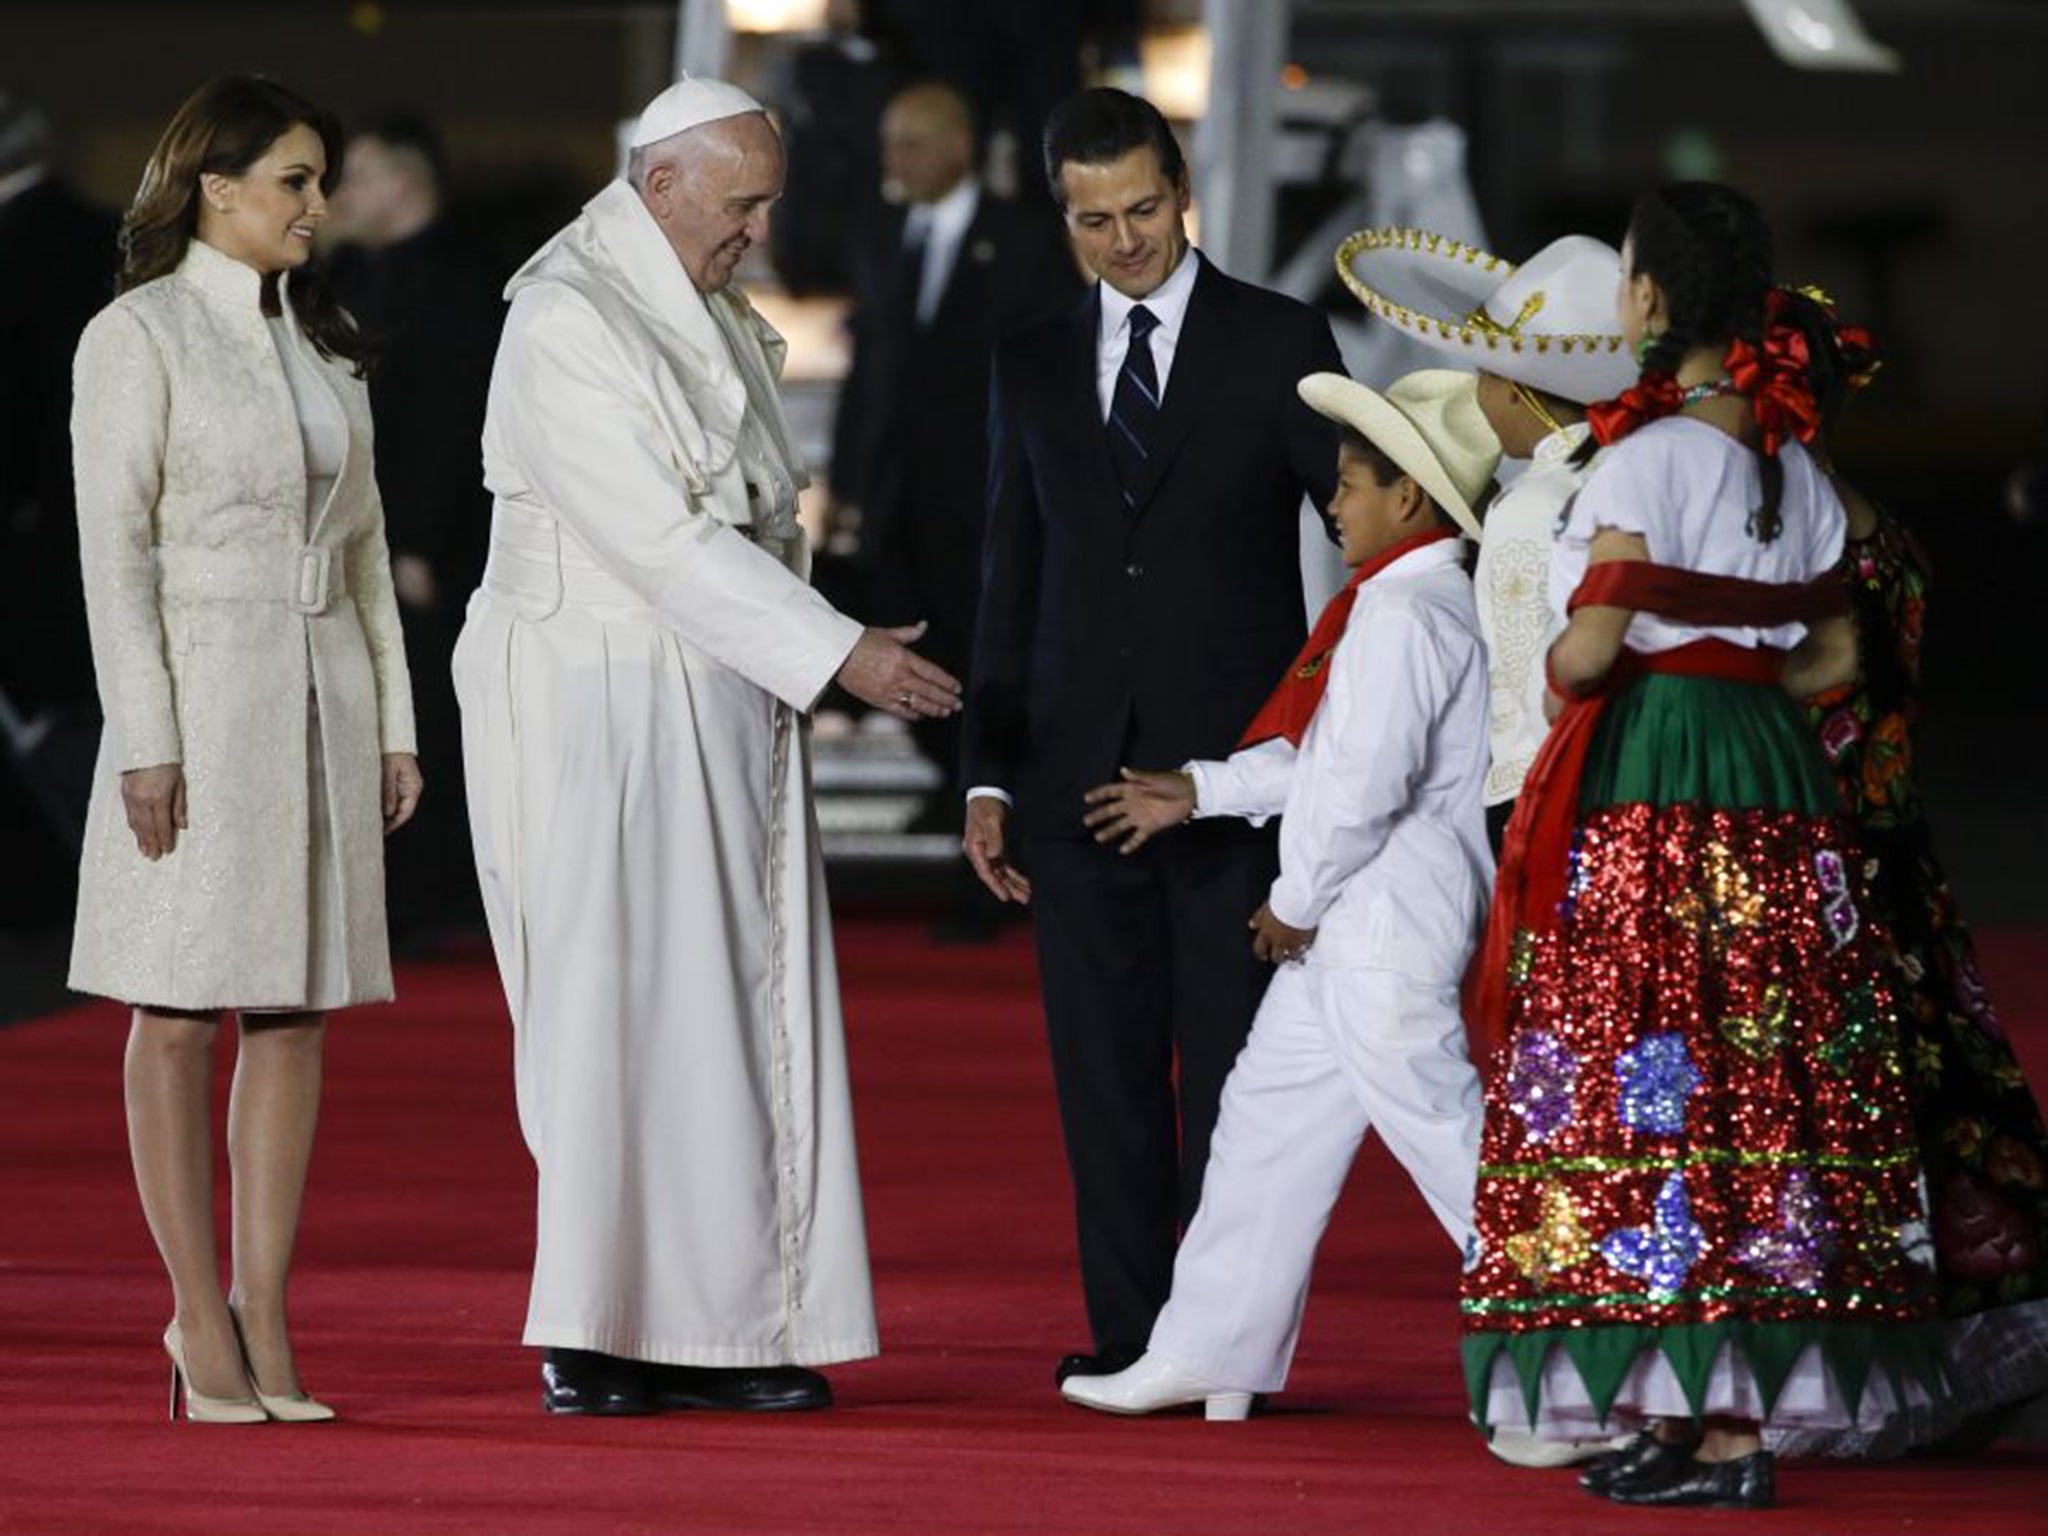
pixel 1169 306
pixel 1382 837
pixel 942 226
pixel 1512 583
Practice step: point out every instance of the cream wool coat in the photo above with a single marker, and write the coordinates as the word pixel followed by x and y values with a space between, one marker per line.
pixel 633 677
pixel 216 614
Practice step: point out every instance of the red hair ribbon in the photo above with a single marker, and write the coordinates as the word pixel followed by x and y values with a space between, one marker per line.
pixel 1857 346
pixel 1774 376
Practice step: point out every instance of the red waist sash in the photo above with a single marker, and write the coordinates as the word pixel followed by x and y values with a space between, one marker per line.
pixel 1536 851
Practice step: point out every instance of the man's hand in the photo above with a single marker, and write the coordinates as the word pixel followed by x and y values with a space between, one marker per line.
pixel 154 799
pixel 1274 942
pixel 402 788
pixel 986 842
pixel 883 671
pixel 1143 804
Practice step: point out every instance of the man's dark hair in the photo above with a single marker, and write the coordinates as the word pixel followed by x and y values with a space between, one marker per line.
pixel 1101 125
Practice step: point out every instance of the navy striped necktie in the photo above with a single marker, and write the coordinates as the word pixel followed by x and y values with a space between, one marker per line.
pixel 1134 407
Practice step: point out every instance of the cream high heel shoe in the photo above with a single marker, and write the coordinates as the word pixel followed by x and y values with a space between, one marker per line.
pixel 1151 1385
pixel 198 1407
pixel 286 1408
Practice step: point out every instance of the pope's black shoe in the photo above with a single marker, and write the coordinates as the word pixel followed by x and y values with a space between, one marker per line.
pixel 1104 1363
pixel 1748 1482
pixel 745 1389
pixel 583 1381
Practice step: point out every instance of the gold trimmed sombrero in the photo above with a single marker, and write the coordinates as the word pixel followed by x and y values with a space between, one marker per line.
pixel 1549 323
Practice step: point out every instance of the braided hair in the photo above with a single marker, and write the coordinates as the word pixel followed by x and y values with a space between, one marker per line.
pixel 1710 252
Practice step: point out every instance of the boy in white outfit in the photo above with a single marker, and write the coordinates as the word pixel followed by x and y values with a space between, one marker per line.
pixel 1373 753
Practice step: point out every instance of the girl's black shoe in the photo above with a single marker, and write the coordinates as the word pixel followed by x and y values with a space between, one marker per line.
pixel 1749 1482
pixel 1644 1456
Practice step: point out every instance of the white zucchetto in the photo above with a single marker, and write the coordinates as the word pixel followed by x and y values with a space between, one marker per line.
pixel 690 103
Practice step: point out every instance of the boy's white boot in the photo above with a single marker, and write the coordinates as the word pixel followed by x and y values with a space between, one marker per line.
pixel 1151 1385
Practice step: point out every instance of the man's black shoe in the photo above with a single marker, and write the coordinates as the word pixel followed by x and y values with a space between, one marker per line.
pixel 1105 1363
pixel 583 1381
pixel 745 1389
pixel 1749 1482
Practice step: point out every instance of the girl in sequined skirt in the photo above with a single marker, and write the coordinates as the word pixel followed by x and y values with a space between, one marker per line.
pixel 1699 1195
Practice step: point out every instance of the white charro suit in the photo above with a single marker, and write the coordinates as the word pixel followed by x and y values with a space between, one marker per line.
pixel 1382 851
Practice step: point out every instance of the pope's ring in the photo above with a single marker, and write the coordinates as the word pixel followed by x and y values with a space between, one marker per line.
pixel 905 700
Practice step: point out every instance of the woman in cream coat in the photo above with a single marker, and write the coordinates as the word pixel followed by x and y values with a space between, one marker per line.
pixel 259 735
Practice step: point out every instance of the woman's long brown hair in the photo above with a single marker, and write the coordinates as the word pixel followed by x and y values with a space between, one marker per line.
pixel 223 128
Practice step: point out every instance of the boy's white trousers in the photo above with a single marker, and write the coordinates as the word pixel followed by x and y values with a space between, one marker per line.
pixel 1333 1053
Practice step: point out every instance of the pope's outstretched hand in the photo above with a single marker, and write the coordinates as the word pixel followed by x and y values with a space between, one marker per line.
pixel 882 670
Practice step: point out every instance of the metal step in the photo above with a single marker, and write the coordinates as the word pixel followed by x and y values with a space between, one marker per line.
pixel 870 785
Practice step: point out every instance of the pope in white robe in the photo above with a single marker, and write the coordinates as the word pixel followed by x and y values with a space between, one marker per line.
pixel 634 676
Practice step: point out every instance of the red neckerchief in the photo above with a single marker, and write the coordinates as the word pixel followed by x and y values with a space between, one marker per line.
pixel 1293 704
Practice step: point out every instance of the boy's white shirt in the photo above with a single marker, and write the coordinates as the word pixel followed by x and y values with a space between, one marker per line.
pixel 1382 832
pixel 1512 584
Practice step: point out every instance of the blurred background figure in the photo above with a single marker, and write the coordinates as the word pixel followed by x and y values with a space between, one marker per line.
pixel 428 295
pixel 945 272
pixel 829 101
pixel 57 260
pixel 1016 60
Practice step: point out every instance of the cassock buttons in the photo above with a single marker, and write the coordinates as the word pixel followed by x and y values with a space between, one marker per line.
pixel 1134 570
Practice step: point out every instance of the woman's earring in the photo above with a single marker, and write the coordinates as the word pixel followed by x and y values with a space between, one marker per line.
pixel 1645 347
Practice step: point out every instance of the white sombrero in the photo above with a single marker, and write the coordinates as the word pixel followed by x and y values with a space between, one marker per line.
pixel 1549 323
pixel 1427 422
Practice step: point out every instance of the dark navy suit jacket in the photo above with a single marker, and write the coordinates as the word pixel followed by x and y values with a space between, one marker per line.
pixel 1148 636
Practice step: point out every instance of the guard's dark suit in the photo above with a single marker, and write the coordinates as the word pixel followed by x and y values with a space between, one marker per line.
pixel 911 440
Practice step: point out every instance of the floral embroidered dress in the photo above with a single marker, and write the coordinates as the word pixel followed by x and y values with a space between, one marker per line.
pixel 1980 1128
pixel 1699 1187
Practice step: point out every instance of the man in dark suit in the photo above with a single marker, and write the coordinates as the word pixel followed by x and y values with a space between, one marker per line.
pixel 429 296
pixel 947 274
pixel 1142 594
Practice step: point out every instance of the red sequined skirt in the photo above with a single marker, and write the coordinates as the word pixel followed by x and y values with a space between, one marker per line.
pixel 1699 1179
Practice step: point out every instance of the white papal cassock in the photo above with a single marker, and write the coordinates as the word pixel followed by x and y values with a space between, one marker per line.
pixel 633 676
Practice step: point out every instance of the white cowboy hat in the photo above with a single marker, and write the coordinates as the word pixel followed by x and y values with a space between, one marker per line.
pixel 1429 423
pixel 1549 324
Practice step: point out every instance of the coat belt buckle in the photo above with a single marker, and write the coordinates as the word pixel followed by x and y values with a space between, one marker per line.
pixel 310 594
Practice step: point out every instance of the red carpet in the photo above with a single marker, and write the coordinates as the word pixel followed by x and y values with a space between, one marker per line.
pixel 411 1290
